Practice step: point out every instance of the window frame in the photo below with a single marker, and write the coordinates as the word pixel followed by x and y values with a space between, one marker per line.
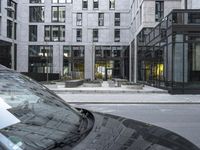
pixel 159 13
pixel 79 38
pixel 51 32
pixel 85 3
pixel 117 19
pixel 100 19
pixel 95 38
pixel 58 2
pixel 36 1
pixel 35 28
pixel 112 4
pixel 58 18
pixel 42 15
pixel 79 20
pixel 95 2
pixel 117 33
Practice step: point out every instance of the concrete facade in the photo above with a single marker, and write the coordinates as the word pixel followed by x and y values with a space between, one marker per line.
pixel 143 16
pixel 3 21
pixel 5 40
pixel 89 22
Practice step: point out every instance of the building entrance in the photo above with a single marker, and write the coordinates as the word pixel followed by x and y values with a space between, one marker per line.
pixel 104 70
pixel 111 62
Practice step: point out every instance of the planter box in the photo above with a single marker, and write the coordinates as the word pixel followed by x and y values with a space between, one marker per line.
pixel 73 83
pixel 137 87
pixel 119 82
pixel 92 85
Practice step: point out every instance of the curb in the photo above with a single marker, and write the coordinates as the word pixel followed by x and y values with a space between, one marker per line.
pixel 107 92
pixel 140 103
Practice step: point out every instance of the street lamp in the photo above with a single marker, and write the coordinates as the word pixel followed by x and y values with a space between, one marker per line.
pixel 12 10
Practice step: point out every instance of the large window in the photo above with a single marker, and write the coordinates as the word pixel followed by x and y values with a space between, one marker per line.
pixel 36 1
pixel 95 35
pixel 101 19
pixel 73 61
pixel 58 14
pixel 58 1
pixel 61 1
pixel 117 35
pixel 12 4
pixel 69 1
pixel 36 14
pixel 54 33
pixel 95 4
pixel 9 29
pixel 111 62
pixel 40 59
pixel 117 19
pixel 79 19
pixel 159 14
pixel 79 35
pixel 85 4
pixel 33 33
pixel 194 18
pixel 112 4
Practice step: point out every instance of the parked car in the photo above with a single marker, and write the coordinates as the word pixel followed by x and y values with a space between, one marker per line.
pixel 34 118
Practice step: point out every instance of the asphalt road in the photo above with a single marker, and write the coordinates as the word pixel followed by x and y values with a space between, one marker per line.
pixel 128 98
pixel 183 119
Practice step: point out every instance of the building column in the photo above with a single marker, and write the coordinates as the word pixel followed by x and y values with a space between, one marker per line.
pixel 135 60
pixel 130 63
pixel 58 59
pixel 89 62
pixel 22 57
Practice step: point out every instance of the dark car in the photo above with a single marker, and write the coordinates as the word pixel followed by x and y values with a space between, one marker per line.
pixel 34 118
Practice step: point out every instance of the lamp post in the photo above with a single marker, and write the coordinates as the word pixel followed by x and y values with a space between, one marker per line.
pixel 47 51
pixel 12 10
pixel 93 59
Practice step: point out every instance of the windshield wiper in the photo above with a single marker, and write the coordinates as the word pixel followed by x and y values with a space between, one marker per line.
pixel 85 126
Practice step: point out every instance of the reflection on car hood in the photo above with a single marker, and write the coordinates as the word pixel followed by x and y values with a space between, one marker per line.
pixel 117 133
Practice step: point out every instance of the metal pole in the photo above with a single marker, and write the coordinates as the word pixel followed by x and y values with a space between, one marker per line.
pixel 93 63
pixel 60 71
pixel 47 51
pixel 130 62
pixel 13 42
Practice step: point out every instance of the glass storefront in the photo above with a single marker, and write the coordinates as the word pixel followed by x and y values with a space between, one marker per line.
pixel 40 59
pixel 5 56
pixel 73 61
pixel 168 54
pixel 111 62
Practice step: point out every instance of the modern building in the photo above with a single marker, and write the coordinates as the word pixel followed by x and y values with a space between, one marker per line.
pixel 136 40
pixel 81 38
pixel 167 52
pixel 6 32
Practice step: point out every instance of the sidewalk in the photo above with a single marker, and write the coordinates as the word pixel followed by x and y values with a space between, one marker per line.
pixel 118 95
pixel 105 89
pixel 130 98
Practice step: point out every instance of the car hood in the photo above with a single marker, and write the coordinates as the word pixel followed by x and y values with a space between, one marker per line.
pixel 117 133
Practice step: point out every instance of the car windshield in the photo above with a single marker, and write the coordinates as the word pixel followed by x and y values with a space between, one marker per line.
pixel 32 117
